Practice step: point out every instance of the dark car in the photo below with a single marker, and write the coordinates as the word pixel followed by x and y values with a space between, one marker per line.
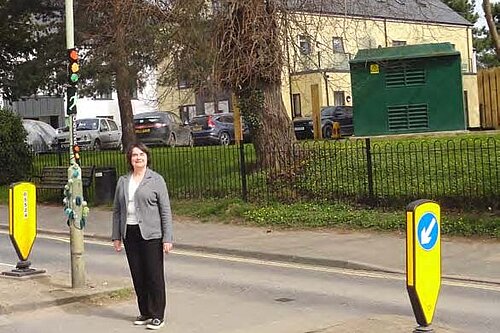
pixel 330 114
pixel 215 129
pixel 162 128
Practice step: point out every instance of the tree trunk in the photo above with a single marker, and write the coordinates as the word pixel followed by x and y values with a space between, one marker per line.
pixel 275 138
pixel 123 79
pixel 125 105
pixel 491 26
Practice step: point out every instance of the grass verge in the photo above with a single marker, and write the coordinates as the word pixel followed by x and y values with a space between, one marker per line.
pixel 332 215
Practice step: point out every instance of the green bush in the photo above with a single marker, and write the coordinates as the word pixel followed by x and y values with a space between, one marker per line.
pixel 14 152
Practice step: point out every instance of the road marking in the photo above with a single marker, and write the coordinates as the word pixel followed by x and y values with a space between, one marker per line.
pixel 8 265
pixel 279 264
pixel 343 271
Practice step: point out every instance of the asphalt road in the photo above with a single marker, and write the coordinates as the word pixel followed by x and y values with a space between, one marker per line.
pixel 216 293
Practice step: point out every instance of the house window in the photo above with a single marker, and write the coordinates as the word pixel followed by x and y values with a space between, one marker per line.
pixel 183 83
pixel 339 98
pixel 305 44
pixel 398 43
pixel 223 106
pixel 104 95
pixel 211 108
pixel 297 109
pixel 338 45
pixel 187 112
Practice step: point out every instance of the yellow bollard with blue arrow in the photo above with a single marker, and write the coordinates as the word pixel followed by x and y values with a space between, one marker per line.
pixel 22 226
pixel 423 260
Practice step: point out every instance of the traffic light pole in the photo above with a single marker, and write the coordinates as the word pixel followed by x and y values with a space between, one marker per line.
pixel 75 206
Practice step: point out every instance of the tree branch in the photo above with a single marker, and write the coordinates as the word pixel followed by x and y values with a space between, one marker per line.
pixel 491 26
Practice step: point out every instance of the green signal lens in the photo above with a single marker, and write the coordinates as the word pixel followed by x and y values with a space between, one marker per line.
pixel 74 78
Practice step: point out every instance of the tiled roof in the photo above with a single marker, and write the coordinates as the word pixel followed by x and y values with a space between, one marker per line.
pixel 431 11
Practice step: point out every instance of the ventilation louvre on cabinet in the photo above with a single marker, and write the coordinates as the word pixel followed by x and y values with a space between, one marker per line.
pixel 401 76
pixel 408 117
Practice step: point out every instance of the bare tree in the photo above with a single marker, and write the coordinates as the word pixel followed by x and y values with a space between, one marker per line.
pixel 237 46
pixel 250 61
pixel 120 41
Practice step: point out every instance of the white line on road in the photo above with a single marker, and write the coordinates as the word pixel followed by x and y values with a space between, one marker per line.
pixel 343 271
pixel 8 265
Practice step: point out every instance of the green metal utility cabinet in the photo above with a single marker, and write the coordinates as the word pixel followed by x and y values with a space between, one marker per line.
pixel 407 89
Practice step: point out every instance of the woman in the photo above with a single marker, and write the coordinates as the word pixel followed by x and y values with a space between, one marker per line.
pixel 143 220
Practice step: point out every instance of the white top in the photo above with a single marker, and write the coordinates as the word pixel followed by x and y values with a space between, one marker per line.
pixel 132 187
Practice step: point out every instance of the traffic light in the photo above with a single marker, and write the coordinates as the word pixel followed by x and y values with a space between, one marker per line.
pixel 76 153
pixel 73 67
pixel 73 76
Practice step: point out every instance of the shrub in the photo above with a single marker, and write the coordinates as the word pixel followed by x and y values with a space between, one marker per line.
pixel 14 152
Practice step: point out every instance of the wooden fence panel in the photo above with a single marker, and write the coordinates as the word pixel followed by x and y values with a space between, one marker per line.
pixel 495 112
pixel 489 97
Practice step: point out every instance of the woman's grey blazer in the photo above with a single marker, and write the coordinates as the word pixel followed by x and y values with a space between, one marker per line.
pixel 152 208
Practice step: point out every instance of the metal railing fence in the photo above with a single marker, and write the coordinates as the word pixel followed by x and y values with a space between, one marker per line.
pixel 456 172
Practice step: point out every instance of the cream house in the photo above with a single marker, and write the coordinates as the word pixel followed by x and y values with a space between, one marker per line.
pixel 324 35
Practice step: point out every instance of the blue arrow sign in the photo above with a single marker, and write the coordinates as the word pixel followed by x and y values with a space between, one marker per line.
pixel 427 231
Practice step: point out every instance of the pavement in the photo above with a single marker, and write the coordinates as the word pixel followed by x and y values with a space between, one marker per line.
pixel 476 260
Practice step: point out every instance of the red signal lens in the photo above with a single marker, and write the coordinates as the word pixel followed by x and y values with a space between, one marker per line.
pixel 73 55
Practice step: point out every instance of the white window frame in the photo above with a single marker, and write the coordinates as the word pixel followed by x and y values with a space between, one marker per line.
pixel 399 43
pixel 338 44
pixel 305 44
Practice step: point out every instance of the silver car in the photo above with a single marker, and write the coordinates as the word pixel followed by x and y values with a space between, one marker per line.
pixel 93 134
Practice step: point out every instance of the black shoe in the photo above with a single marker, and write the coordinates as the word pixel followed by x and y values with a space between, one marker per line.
pixel 142 320
pixel 155 324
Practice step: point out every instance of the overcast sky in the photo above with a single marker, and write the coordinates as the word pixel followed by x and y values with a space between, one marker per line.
pixel 479 8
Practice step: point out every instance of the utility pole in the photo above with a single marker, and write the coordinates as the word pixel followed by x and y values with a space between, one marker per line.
pixel 75 207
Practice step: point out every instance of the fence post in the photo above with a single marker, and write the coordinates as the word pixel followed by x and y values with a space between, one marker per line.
pixel 369 168
pixel 59 157
pixel 243 173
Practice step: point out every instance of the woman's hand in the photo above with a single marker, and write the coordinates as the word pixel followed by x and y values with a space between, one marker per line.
pixel 117 244
pixel 167 247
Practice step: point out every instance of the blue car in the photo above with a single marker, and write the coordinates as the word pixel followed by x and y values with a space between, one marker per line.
pixel 215 129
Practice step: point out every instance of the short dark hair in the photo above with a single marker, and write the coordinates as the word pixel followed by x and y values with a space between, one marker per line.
pixel 140 146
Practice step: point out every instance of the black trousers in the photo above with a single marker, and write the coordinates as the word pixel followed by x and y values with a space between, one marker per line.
pixel 145 259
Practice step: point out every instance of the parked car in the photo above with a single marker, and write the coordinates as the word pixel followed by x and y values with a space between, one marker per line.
pixel 41 136
pixel 342 114
pixel 216 129
pixel 162 128
pixel 93 134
